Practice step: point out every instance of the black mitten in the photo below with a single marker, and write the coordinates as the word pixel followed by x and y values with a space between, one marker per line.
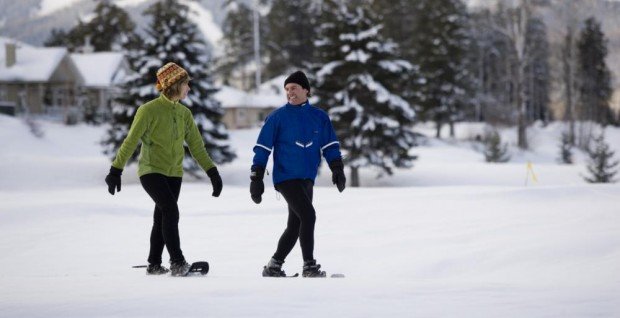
pixel 216 181
pixel 257 187
pixel 113 179
pixel 338 177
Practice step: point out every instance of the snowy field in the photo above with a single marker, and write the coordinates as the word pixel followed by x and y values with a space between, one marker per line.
pixel 452 237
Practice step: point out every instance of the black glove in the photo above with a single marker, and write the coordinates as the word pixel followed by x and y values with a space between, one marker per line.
pixel 257 187
pixel 113 179
pixel 216 181
pixel 338 177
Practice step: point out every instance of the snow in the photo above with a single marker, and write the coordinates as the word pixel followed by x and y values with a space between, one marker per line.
pixel 51 6
pixel 231 97
pixel 98 69
pixel 205 23
pixel 33 64
pixel 451 237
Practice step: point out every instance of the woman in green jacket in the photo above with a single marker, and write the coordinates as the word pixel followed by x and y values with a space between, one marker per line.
pixel 163 125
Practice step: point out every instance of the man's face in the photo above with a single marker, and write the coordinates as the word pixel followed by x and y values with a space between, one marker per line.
pixel 296 94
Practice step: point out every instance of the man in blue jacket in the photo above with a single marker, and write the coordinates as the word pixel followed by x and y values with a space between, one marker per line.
pixel 297 133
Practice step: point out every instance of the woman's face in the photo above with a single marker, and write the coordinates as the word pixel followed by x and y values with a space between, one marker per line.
pixel 184 90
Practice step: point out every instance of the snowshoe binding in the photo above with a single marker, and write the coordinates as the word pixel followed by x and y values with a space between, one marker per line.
pixel 156 269
pixel 179 268
pixel 273 269
pixel 312 269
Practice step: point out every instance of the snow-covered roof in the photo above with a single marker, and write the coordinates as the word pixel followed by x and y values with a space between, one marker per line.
pixel 100 69
pixel 33 64
pixel 232 97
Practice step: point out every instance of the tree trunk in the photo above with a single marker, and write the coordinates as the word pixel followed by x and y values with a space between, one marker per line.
pixel 355 177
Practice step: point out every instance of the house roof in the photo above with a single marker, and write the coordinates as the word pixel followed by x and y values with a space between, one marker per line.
pixel 100 69
pixel 33 64
pixel 231 97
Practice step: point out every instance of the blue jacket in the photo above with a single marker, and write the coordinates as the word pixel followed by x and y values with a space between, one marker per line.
pixel 297 135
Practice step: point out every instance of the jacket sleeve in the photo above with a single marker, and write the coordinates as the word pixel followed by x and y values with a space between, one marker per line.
pixel 137 130
pixel 264 144
pixel 196 145
pixel 330 145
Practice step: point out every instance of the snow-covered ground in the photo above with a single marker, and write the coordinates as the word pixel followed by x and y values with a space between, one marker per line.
pixel 452 237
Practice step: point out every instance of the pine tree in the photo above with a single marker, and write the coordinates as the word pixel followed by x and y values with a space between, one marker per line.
pixel 601 166
pixel 494 150
pixel 238 41
pixel 595 84
pixel 111 29
pixel 289 37
pixel 537 71
pixel 172 38
pixel 566 148
pixel 441 40
pixel 358 78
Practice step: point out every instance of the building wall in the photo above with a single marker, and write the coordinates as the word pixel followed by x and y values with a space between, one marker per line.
pixel 244 117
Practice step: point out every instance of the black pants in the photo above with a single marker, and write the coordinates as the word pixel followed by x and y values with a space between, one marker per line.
pixel 165 232
pixel 301 219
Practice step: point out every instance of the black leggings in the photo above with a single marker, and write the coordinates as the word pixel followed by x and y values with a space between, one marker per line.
pixel 165 192
pixel 301 219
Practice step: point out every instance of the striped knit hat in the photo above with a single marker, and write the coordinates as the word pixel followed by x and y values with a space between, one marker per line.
pixel 168 75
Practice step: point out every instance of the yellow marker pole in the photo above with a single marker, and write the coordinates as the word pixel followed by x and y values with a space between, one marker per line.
pixel 530 170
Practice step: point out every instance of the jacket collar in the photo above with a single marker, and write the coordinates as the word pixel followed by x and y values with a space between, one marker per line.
pixel 305 105
pixel 168 101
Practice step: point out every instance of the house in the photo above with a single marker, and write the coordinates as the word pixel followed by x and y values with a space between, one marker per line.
pixel 246 110
pixel 56 84
pixel 103 72
pixel 37 80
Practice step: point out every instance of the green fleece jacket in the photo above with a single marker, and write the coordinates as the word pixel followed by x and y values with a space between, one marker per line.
pixel 163 125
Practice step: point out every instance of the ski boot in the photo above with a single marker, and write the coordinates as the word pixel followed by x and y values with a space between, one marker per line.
pixel 156 269
pixel 312 269
pixel 274 269
pixel 180 268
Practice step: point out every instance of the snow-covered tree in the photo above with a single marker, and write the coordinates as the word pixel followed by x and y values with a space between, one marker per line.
pixel 110 29
pixel 289 37
pixel 172 38
pixel 441 41
pixel 601 164
pixel 595 85
pixel 360 79
pixel 494 149
pixel 566 148
pixel 238 44
pixel 537 71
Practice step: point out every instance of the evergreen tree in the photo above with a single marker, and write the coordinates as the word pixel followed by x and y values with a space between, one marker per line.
pixel 172 38
pixel 566 148
pixel 601 166
pixel 238 42
pixel 595 77
pixel 359 79
pixel 441 41
pixel 494 150
pixel 537 71
pixel 111 29
pixel 289 37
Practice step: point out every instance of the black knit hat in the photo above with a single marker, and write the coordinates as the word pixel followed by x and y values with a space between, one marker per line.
pixel 298 78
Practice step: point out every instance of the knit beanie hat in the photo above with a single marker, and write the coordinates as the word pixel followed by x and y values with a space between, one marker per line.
pixel 298 78
pixel 169 74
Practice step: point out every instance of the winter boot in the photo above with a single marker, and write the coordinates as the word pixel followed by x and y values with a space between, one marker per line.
pixel 180 268
pixel 312 269
pixel 156 269
pixel 273 269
